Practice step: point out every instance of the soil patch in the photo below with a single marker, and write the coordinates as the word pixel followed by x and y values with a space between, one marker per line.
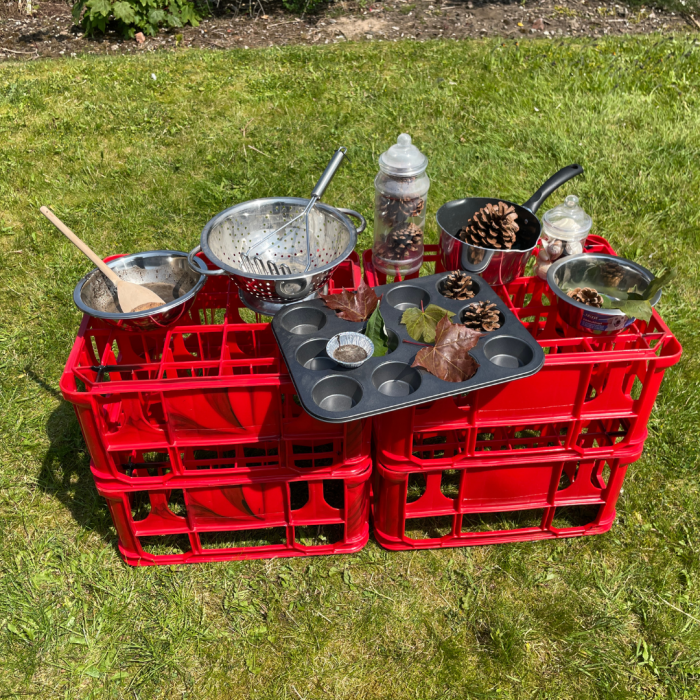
pixel 50 30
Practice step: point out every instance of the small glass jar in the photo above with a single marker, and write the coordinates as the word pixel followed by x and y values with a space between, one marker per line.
pixel 565 229
pixel 401 195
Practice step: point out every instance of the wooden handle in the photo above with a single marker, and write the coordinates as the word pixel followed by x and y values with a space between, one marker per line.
pixel 108 272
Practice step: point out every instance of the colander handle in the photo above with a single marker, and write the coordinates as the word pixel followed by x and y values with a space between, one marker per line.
pixel 197 268
pixel 356 215
pixel 328 173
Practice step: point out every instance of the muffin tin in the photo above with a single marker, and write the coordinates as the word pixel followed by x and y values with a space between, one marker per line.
pixel 335 394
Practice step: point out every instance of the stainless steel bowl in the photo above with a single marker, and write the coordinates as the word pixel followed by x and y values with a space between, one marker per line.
pixel 166 272
pixel 232 232
pixel 600 272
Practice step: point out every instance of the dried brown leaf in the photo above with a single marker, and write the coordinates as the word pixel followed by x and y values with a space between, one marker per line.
pixel 449 358
pixel 353 306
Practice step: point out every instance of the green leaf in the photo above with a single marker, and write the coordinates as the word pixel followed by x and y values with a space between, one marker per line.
pixel 155 17
pixel 633 308
pixel 173 20
pixel 76 12
pixel 421 324
pixel 99 8
pixel 120 675
pixel 124 12
pixel 375 332
pixel 658 282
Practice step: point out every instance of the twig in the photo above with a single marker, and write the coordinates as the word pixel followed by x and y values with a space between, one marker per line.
pixel 408 571
pixel 277 24
pixel 423 345
pixel 22 52
pixel 258 150
pixel 670 605
pixel 246 125
pixel 320 614
pixel 376 592
pixel 693 20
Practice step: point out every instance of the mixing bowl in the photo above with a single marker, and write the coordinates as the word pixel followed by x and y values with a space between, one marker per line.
pixel 166 272
pixel 606 273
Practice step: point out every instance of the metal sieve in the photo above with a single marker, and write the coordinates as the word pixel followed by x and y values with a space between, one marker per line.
pixel 227 238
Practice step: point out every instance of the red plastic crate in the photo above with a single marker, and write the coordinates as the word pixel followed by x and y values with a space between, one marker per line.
pixel 594 244
pixel 239 517
pixel 487 502
pixel 593 394
pixel 210 380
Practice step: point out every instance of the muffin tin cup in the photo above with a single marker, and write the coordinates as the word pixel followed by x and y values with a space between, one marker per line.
pixel 336 394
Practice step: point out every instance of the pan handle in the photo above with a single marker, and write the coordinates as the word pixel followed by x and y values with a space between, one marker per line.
pixel 199 270
pixel 356 215
pixel 554 182
pixel 328 173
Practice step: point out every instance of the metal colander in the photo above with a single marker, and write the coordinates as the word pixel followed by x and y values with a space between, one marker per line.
pixel 227 238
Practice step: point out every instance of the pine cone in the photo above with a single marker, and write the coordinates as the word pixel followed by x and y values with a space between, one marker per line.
pixel 612 273
pixel 404 240
pixel 397 210
pixel 482 316
pixel 493 226
pixel 459 285
pixel 586 295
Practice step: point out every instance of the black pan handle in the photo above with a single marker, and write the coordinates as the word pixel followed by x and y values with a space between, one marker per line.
pixel 554 182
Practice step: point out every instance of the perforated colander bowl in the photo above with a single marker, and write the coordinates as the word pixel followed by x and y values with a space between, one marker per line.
pixel 231 233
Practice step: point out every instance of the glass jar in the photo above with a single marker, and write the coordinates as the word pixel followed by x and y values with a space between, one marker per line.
pixel 565 229
pixel 401 195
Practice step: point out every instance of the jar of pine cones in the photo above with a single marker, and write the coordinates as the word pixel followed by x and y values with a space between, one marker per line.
pixel 564 232
pixel 401 196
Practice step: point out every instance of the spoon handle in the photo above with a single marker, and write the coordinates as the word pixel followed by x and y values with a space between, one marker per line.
pixel 106 271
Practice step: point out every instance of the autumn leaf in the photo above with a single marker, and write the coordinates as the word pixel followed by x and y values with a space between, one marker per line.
pixel 421 324
pixel 353 306
pixel 449 358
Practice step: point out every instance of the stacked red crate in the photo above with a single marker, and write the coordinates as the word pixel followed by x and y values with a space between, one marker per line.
pixel 525 452
pixel 199 443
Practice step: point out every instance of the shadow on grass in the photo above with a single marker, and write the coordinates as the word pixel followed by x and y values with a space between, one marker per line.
pixel 65 471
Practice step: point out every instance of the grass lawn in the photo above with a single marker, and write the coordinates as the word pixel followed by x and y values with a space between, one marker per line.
pixel 138 153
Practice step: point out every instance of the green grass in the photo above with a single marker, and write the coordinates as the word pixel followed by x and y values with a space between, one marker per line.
pixel 133 163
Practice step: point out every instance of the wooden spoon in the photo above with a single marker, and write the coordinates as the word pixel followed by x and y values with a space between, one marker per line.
pixel 132 297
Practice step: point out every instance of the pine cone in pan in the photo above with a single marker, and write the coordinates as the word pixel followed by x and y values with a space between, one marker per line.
pixel 404 240
pixel 586 295
pixel 459 285
pixel 397 210
pixel 482 316
pixel 493 226
pixel 612 273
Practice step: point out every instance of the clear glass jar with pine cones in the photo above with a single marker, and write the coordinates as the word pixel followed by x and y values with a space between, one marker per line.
pixel 401 197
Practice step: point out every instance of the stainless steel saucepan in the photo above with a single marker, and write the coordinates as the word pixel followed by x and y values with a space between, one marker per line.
pixel 495 266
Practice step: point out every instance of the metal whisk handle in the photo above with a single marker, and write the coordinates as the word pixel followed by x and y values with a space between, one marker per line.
pixel 328 173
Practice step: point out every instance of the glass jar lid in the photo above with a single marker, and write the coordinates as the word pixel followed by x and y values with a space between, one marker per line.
pixel 403 159
pixel 567 221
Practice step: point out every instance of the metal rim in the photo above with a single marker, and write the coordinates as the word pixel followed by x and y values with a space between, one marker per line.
pixel 596 256
pixel 204 238
pixel 492 250
pixel 139 314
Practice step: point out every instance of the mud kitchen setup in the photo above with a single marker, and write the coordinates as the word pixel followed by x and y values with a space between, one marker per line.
pixel 276 391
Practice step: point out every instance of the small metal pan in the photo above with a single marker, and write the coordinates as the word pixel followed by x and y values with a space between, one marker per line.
pixel 495 266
